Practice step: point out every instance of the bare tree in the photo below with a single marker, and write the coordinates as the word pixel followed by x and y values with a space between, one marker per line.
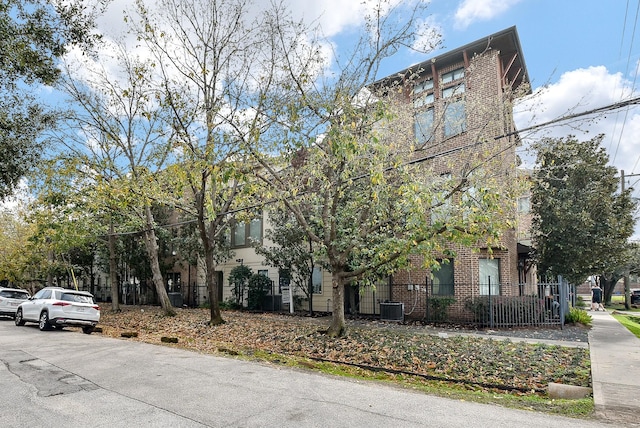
pixel 354 177
pixel 217 59
pixel 116 131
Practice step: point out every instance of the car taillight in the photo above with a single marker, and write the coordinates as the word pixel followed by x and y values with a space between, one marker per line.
pixel 61 304
pixel 96 307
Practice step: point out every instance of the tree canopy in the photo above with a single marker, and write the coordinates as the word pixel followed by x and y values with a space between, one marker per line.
pixel 350 174
pixel 292 252
pixel 581 219
pixel 34 35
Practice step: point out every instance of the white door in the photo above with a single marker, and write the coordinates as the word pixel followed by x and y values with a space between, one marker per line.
pixel 31 309
pixel 489 276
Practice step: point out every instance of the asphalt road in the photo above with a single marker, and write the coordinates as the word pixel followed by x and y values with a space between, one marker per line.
pixel 69 379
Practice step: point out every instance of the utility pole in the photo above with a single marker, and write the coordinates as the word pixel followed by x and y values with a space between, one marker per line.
pixel 625 277
pixel 627 295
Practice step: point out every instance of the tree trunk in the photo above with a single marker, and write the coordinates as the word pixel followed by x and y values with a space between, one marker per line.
pixel 310 293
pixel 152 251
pixel 608 284
pixel 310 302
pixel 212 287
pixel 627 291
pixel 113 270
pixel 50 258
pixel 209 261
pixel 338 327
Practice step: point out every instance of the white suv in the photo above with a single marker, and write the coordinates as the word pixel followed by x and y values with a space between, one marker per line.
pixel 10 298
pixel 60 307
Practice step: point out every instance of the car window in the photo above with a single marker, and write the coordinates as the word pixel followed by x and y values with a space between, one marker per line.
pixel 14 294
pixel 43 294
pixel 76 298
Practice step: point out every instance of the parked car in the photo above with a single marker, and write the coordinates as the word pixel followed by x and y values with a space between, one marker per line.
pixel 59 307
pixel 10 298
pixel 635 296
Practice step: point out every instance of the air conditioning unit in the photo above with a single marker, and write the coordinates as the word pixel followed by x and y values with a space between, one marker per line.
pixel 392 311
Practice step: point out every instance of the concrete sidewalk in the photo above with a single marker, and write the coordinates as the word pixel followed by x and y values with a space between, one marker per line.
pixel 615 370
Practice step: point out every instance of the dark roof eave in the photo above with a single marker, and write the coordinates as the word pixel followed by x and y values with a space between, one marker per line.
pixel 506 40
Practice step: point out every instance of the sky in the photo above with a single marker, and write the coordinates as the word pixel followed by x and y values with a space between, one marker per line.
pixel 580 55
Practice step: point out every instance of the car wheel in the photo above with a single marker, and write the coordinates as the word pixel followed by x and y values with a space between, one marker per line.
pixel 44 321
pixel 18 319
pixel 87 330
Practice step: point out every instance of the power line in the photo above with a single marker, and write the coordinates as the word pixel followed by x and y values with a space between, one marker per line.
pixel 624 27
pixel 626 114
pixel 609 107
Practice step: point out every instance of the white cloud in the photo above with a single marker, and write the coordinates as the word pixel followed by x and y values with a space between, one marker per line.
pixel 334 16
pixel 480 10
pixel 429 38
pixel 19 199
pixel 580 91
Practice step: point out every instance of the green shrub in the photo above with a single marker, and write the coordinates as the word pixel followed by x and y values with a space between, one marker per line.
pixel 230 303
pixel 478 307
pixel 578 316
pixel 438 307
pixel 258 287
pixel 238 280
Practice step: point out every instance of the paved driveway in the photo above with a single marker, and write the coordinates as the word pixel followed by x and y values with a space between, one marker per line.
pixel 69 379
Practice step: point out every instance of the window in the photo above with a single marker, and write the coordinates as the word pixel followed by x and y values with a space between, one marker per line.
pixel 76 298
pixel 43 294
pixel 424 86
pixel 244 234
pixel 173 281
pixel 423 125
pixel 14 294
pixel 423 101
pixel 472 199
pixel 443 279
pixel 489 276
pixel 524 204
pixel 284 279
pixel 316 280
pixel 452 76
pixel 255 230
pixel 239 237
pixel 453 91
pixel 441 207
pixel 455 121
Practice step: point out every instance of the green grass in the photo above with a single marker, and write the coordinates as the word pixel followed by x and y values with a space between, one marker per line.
pixel 632 323
pixel 617 304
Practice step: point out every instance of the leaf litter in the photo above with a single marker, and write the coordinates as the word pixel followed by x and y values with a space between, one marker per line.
pixel 471 359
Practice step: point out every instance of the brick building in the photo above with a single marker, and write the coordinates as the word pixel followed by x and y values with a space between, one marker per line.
pixel 462 112
pixel 463 118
